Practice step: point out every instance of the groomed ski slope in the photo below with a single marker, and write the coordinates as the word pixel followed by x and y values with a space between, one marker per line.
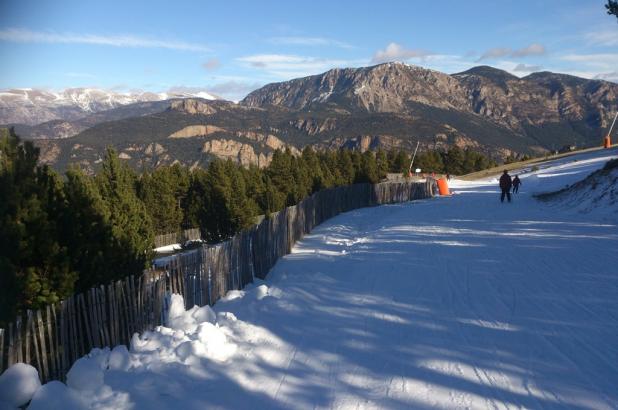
pixel 454 302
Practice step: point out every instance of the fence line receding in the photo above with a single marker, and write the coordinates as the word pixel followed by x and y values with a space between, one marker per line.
pixel 52 338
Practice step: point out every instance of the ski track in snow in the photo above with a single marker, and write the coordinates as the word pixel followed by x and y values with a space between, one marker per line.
pixel 454 302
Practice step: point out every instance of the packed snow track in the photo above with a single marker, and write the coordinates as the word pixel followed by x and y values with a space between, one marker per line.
pixel 454 302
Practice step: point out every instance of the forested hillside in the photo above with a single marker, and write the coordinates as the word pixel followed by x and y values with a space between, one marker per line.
pixel 65 233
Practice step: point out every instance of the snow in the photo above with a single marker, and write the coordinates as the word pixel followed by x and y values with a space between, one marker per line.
pixel 85 374
pixel 453 302
pixel 56 395
pixel 168 248
pixel 18 384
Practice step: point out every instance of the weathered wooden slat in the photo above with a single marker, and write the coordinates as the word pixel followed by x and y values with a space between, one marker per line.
pixel 64 343
pixel 18 340
pixel 126 294
pixel 86 320
pixel 53 370
pixel 133 301
pixel 138 304
pixel 35 343
pixel 80 333
pixel 75 334
pixel 98 320
pixel 68 343
pixel 112 316
pixel 92 318
pixel 28 337
pixel 57 347
pixel 104 320
pixel 42 346
pixel 10 357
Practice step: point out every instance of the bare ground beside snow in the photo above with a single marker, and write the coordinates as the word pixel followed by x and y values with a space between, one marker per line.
pixel 457 302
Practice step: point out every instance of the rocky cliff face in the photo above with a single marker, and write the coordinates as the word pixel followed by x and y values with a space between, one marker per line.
pixel 193 106
pixel 539 98
pixel 574 107
pixel 382 88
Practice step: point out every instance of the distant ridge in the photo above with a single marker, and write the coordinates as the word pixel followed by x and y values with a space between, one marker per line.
pixel 387 106
pixel 31 106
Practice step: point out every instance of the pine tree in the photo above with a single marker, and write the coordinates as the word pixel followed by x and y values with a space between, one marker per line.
pixel 88 232
pixel 612 7
pixel 429 162
pixel 346 167
pixel 130 223
pixel 399 161
pixel 34 263
pixel 159 190
pixel 453 162
pixel 368 172
pixel 281 175
pixel 382 164
pixel 226 208
pixel 316 171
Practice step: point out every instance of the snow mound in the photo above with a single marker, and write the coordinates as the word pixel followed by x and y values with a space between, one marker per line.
pixel 86 374
pixel 56 395
pixel 597 193
pixel 18 384
pixel 192 338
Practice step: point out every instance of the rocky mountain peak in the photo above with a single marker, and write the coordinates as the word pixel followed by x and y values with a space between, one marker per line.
pixel 388 87
pixel 488 72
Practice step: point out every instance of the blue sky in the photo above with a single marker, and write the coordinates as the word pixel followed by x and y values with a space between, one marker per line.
pixel 233 47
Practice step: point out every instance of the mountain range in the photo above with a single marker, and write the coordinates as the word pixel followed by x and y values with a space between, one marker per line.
pixel 391 105
pixel 30 106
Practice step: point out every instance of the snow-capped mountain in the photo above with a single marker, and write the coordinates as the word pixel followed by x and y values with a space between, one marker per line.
pixel 34 106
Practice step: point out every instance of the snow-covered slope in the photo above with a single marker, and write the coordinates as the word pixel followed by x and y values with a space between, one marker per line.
pixel 454 302
pixel 35 106
pixel 598 193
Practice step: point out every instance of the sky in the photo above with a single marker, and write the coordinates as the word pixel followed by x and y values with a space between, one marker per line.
pixel 230 48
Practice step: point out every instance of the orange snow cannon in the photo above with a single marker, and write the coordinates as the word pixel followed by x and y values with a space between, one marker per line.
pixel 443 187
pixel 607 142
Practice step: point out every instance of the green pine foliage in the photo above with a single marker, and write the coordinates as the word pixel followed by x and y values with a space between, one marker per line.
pixel 162 192
pixel 131 226
pixel 612 7
pixel 35 265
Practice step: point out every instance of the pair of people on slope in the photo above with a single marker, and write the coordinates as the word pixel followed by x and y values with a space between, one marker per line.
pixel 506 183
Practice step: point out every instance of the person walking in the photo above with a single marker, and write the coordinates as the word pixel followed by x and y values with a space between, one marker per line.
pixel 516 184
pixel 505 186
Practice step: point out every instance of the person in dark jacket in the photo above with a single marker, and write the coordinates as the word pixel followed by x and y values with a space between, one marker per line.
pixel 505 186
pixel 516 184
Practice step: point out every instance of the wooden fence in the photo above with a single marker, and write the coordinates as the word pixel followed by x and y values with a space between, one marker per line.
pixel 183 236
pixel 51 339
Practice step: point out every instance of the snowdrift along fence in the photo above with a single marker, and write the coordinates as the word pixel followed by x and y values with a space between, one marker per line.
pixel 51 339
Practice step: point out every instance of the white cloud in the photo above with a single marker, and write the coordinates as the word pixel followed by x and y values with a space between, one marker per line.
pixel 599 65
pixel 286 66
pixel 129 41
pixel 534 49
pixel 234 90
pixel 495 53
pixel 608 37
pixel 593 59
pixel 310 41
pixel 524 68
pixel 611 76
pixel 396 52
pixel 80 75
pixel 211 64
